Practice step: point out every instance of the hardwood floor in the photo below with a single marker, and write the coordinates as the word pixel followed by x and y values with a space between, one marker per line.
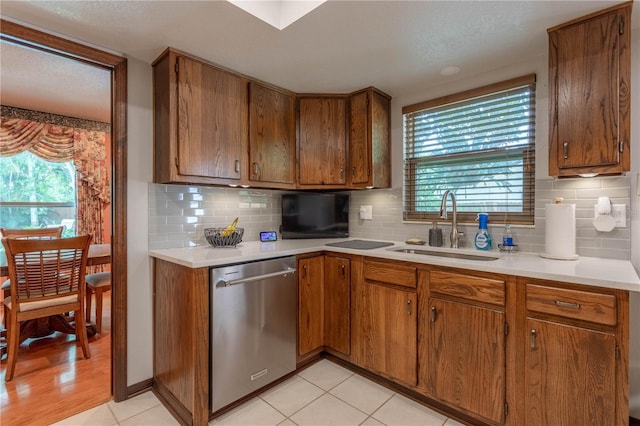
pixel 53 380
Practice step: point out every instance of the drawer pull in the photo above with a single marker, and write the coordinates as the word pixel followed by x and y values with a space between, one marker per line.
pixel 409 307
pixel 433 314
pixel 532 339
pixel 567 304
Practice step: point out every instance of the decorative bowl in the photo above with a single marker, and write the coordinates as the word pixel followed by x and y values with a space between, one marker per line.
pixel 215 238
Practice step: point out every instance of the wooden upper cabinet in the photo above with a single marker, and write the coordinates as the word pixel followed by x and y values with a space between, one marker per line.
pixel 370 139
pixel 201 122
pixel 589 94
pixel 272 137
pixel 322 141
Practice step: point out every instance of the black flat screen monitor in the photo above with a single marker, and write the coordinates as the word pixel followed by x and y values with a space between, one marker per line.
pixel 315 215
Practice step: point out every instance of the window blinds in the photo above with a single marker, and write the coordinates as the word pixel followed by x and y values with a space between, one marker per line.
pixel 481 145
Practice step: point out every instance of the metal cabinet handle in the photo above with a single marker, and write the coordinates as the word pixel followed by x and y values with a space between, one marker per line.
pixel 409 307
pixel 567 304
pixel 343 271
pixel 353 172
pixel 304 271
pixel 237 166
pixel 432 316
pixel 255 168
pixel 532 339
pixel 565 150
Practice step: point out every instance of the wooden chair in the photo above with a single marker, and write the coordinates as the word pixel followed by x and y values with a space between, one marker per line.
pixel 47 278
pixel 34 233
pixel 97 284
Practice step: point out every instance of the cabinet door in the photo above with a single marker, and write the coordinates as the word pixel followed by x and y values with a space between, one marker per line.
pixel 337 292
pixel 212 121
pixel 369 139
pixel 271 135
pixel 570 375
pixel 359 138
pixel 311 304
pixel 388 338
pixel 322 141
pixel 590 99
pixel 466 358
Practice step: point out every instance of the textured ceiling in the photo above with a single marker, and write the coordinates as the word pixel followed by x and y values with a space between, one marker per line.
pixel 397 46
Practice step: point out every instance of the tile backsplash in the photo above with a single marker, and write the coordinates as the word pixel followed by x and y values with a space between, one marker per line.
pixel 583 192
pixel 178 215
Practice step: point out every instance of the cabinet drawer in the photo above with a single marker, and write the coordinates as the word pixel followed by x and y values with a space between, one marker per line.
pixel 468 287
pixel 402 275
pixel 582 305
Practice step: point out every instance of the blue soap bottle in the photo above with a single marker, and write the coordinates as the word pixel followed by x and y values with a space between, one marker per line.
pixel 482 240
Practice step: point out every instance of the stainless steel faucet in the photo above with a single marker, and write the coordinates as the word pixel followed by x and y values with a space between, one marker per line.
pixel 455 235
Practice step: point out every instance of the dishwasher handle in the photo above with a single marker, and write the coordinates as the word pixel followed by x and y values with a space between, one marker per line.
pixel 256 278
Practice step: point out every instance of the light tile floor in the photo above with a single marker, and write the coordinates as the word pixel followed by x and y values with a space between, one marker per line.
pixel 324 394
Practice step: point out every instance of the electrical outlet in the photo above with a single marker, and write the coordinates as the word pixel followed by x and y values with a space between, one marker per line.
pixel 366 212
pixel 619 213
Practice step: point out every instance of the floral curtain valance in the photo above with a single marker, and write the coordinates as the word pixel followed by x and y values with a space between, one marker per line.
pixel 86 148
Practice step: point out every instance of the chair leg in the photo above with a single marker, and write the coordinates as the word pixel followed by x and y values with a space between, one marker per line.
pixel 88 304
pixel 13 338
pixel 99 310
pixel 81 333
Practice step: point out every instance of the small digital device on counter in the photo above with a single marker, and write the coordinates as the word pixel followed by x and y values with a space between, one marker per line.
pixel 266 236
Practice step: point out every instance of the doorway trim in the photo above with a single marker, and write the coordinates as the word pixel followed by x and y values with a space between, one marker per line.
pixel 117 65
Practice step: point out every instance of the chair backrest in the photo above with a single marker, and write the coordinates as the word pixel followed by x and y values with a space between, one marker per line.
pixel 46 269
pixel 35 233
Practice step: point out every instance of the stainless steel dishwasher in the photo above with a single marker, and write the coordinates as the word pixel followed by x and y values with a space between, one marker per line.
pixel 253 327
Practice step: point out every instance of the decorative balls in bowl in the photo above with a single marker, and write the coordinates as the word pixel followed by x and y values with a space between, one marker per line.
pixel 217 237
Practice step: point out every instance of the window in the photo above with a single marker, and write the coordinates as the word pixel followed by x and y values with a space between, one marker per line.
pixel 481 145
pixel 37 193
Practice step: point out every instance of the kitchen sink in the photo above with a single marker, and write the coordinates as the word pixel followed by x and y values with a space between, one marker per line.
pixel 465 256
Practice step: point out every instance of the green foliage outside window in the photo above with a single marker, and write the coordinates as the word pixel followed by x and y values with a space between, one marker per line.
pixel 35 193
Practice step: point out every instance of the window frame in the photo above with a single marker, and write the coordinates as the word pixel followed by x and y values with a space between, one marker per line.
pixel 411 165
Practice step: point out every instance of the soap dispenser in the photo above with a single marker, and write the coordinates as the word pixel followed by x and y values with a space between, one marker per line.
pixel 483 238
pixel 435 235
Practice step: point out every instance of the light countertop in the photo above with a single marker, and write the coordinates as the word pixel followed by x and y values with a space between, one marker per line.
pixel 609 273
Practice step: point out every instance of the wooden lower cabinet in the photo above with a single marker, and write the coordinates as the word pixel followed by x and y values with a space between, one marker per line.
pixel 575 346
pixel 463 342
pixel 324 287
pixel 181 340
pixel 466 358
pixel 384 323
pixel 337 304
pixel 310 304
pixel 492 349
pixel 570 375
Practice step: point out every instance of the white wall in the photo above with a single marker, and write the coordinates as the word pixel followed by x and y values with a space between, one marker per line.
pixel 140 163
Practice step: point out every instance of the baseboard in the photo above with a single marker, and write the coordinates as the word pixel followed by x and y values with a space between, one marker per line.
pixel 138 388
pixel 634 422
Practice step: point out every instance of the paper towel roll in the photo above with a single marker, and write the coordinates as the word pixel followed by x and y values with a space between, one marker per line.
pixel 560 232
